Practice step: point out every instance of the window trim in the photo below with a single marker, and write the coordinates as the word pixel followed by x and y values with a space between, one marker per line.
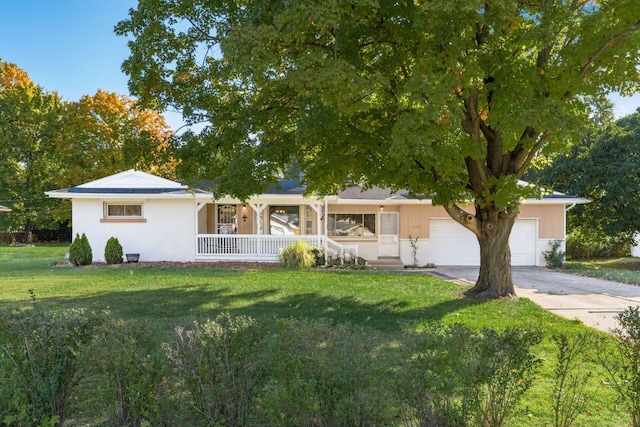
pixel 122 218
pixel 335 236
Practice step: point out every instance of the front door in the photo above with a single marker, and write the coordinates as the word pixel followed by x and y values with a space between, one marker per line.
pixel 388 237
pixel 227 219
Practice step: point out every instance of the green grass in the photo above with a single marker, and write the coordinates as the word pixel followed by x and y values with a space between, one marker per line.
pixel 626 270
pixel 381 302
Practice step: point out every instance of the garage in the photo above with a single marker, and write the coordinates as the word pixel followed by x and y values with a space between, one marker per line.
pixel 452 244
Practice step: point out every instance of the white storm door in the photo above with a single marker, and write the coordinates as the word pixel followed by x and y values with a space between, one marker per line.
pixel 388 237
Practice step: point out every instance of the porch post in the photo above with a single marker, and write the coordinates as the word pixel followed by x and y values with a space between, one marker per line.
pixel 258 208
pixel 324 225
pixel 199 207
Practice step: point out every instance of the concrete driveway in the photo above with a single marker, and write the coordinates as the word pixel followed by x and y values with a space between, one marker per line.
pixel 593 301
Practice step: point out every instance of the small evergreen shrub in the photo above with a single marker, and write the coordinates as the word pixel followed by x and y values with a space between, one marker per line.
pixel 298 255
pixel 113 251
pixel 80 251
pixel 555 257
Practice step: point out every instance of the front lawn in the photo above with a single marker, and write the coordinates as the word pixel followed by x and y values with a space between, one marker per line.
pixel 381 304
pixel 626 270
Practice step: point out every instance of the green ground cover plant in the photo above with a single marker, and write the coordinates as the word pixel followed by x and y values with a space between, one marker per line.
pixel 333 346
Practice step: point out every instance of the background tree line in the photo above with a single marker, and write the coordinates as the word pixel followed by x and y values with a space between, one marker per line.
pixel 48 143
pixel 604 167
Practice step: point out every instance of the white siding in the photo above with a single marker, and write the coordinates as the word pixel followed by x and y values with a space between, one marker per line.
pixel 167 234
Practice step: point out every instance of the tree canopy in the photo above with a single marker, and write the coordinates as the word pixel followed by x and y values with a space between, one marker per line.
pixel 605 168
pixel 106 133
pixel 30 120
pixel 449 98
pixel 46 143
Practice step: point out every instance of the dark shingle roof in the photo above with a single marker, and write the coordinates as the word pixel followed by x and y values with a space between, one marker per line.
pixel 287 187
pixel 81 190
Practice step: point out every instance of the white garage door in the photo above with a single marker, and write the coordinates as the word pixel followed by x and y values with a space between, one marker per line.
pixel 452 244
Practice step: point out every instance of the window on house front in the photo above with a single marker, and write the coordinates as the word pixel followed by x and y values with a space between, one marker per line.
pixel 351 225
pixel 284 220
pixel 123 210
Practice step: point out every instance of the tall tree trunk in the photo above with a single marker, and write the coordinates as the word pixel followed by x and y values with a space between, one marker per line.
pixel 28 228
pixel 492 227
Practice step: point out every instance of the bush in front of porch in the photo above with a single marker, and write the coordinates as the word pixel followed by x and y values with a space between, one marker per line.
pixel 298 255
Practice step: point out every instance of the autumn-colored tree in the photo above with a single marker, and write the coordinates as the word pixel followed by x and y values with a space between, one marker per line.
pixel 449 98
pixel 29 124
pixel 107 133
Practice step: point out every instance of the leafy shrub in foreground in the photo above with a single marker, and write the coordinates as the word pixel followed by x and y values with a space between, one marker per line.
pixel 459 376
pixel 569 396
pixel 218 362
pixel 129 375
pixel 80 251
pixel 113 251
pixel 324 374
pixel 298 255
pixel 623 363
pixel 39 351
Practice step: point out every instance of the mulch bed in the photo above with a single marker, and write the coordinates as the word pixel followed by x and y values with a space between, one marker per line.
pixel 173 264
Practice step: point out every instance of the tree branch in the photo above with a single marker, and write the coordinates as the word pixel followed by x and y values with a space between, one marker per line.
pixel 463 218
pixel 542 139
pixel 605 46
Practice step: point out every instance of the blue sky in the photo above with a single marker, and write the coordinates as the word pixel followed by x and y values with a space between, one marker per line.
pixel 68 46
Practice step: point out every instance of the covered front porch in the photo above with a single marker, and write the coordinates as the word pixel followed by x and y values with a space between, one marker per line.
pixel 228 230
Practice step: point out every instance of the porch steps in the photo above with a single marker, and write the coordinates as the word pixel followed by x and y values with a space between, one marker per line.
pixel 387 263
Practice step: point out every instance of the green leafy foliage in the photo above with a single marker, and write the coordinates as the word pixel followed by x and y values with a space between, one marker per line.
pixel 555 256
pixel 461 376
pixel 80 251
pixel 218 363
pixel 450 99
pixel 113 251
pixel 324 374
pixel 623 363
pixel 30 121
pixel 128 374
pixel 603 168
pixel 39 352
pixel 569 388
pixel 298 255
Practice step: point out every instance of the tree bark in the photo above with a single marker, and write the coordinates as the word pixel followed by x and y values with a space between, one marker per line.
pixel 492 229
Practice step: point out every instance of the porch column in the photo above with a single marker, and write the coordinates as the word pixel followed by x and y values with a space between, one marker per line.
pixel 199 206
pixel 317 208
pixel 325 232
pixel 258 208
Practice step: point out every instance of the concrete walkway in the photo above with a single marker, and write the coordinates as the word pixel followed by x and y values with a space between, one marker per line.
pixel 593 301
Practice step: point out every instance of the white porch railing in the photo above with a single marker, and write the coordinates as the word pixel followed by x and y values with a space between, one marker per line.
pixel 340 251
pixel 261 247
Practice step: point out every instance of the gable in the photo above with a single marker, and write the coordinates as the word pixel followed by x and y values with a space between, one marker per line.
pixel 131 179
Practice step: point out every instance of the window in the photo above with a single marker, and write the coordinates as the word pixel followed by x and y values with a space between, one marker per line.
pixel 123 211
pixel 284 220
pixel 350 225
